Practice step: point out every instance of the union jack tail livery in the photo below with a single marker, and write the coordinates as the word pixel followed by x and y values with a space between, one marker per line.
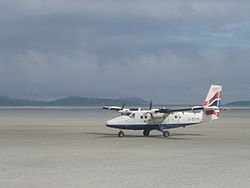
pixel 213 101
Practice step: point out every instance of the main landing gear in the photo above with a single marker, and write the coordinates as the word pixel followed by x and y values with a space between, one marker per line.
pixel 121 133
pixel 166 133
pixel 146 132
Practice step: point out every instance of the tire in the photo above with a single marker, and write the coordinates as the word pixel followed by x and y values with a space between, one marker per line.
pixel 121 134
pixel 146 133
pixel 166 133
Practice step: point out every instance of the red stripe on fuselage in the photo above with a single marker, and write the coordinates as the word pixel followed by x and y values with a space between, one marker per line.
pixel 216 96
pixel 210 112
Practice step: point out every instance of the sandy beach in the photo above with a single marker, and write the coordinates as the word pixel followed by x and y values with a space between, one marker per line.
pixel 72 148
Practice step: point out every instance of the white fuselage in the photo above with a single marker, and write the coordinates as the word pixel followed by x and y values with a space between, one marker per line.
pixel 166 118
pixel 147 119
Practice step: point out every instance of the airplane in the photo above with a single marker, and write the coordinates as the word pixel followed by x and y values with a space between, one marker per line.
pixel 164 118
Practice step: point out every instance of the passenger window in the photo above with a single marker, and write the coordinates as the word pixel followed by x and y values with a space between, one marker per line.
pixel 141 117
pixel 175 116
pixel 146 117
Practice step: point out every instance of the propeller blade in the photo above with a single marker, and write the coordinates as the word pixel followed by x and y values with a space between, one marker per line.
pixel 123 105
pixel 150 106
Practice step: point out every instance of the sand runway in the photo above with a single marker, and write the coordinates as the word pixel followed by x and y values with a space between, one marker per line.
pixel 73 148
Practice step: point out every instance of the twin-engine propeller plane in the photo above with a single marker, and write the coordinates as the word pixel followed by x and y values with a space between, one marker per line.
pixel 165 118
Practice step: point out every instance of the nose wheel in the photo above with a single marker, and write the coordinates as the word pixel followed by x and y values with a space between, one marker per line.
pixel 121 134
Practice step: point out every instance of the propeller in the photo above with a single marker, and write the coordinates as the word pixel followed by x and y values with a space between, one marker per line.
pixel 150 105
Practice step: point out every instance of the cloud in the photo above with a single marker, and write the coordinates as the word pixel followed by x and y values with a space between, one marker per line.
pixel 177 10
pixel 169 51
pixel 34 73
pixel 165 76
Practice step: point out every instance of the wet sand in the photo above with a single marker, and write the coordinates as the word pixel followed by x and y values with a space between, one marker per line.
pixel 73 148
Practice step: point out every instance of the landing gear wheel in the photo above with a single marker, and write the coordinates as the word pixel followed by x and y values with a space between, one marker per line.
pixel 146 133
pixel 121 134
pixel 166 133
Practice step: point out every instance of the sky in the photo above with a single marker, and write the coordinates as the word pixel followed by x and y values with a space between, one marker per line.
pixel 169 51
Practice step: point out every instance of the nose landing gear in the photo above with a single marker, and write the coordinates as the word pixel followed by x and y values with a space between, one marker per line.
pixel 121 134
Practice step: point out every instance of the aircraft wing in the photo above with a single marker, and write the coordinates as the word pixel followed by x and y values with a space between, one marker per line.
pixel 191 109
pixel 121 110
pixel 116 108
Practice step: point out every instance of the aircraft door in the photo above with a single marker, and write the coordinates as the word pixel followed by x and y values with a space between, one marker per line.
pixel 173 118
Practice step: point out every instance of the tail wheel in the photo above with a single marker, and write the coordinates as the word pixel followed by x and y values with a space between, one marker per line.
pixel 166 133
pixel 146 132
pixel 121 134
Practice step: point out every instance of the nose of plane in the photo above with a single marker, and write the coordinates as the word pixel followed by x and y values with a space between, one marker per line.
pixel 109 122
pixel 114 121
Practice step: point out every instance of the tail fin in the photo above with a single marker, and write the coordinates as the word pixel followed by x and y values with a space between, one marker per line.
pixel 213 100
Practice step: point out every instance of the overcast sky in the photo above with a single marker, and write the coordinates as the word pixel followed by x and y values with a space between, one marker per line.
pixel 166 50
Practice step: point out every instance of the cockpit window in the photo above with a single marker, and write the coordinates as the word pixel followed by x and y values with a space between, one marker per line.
pixel 132 115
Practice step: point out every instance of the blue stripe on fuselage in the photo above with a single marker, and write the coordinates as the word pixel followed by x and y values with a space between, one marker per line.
pixel 149 126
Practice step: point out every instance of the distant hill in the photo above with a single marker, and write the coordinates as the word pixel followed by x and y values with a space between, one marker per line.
pixel 73 101
pixel 238 103
pixel 85 101
pixel 6 101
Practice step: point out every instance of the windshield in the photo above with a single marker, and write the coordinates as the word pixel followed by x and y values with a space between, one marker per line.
pixel 132 115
